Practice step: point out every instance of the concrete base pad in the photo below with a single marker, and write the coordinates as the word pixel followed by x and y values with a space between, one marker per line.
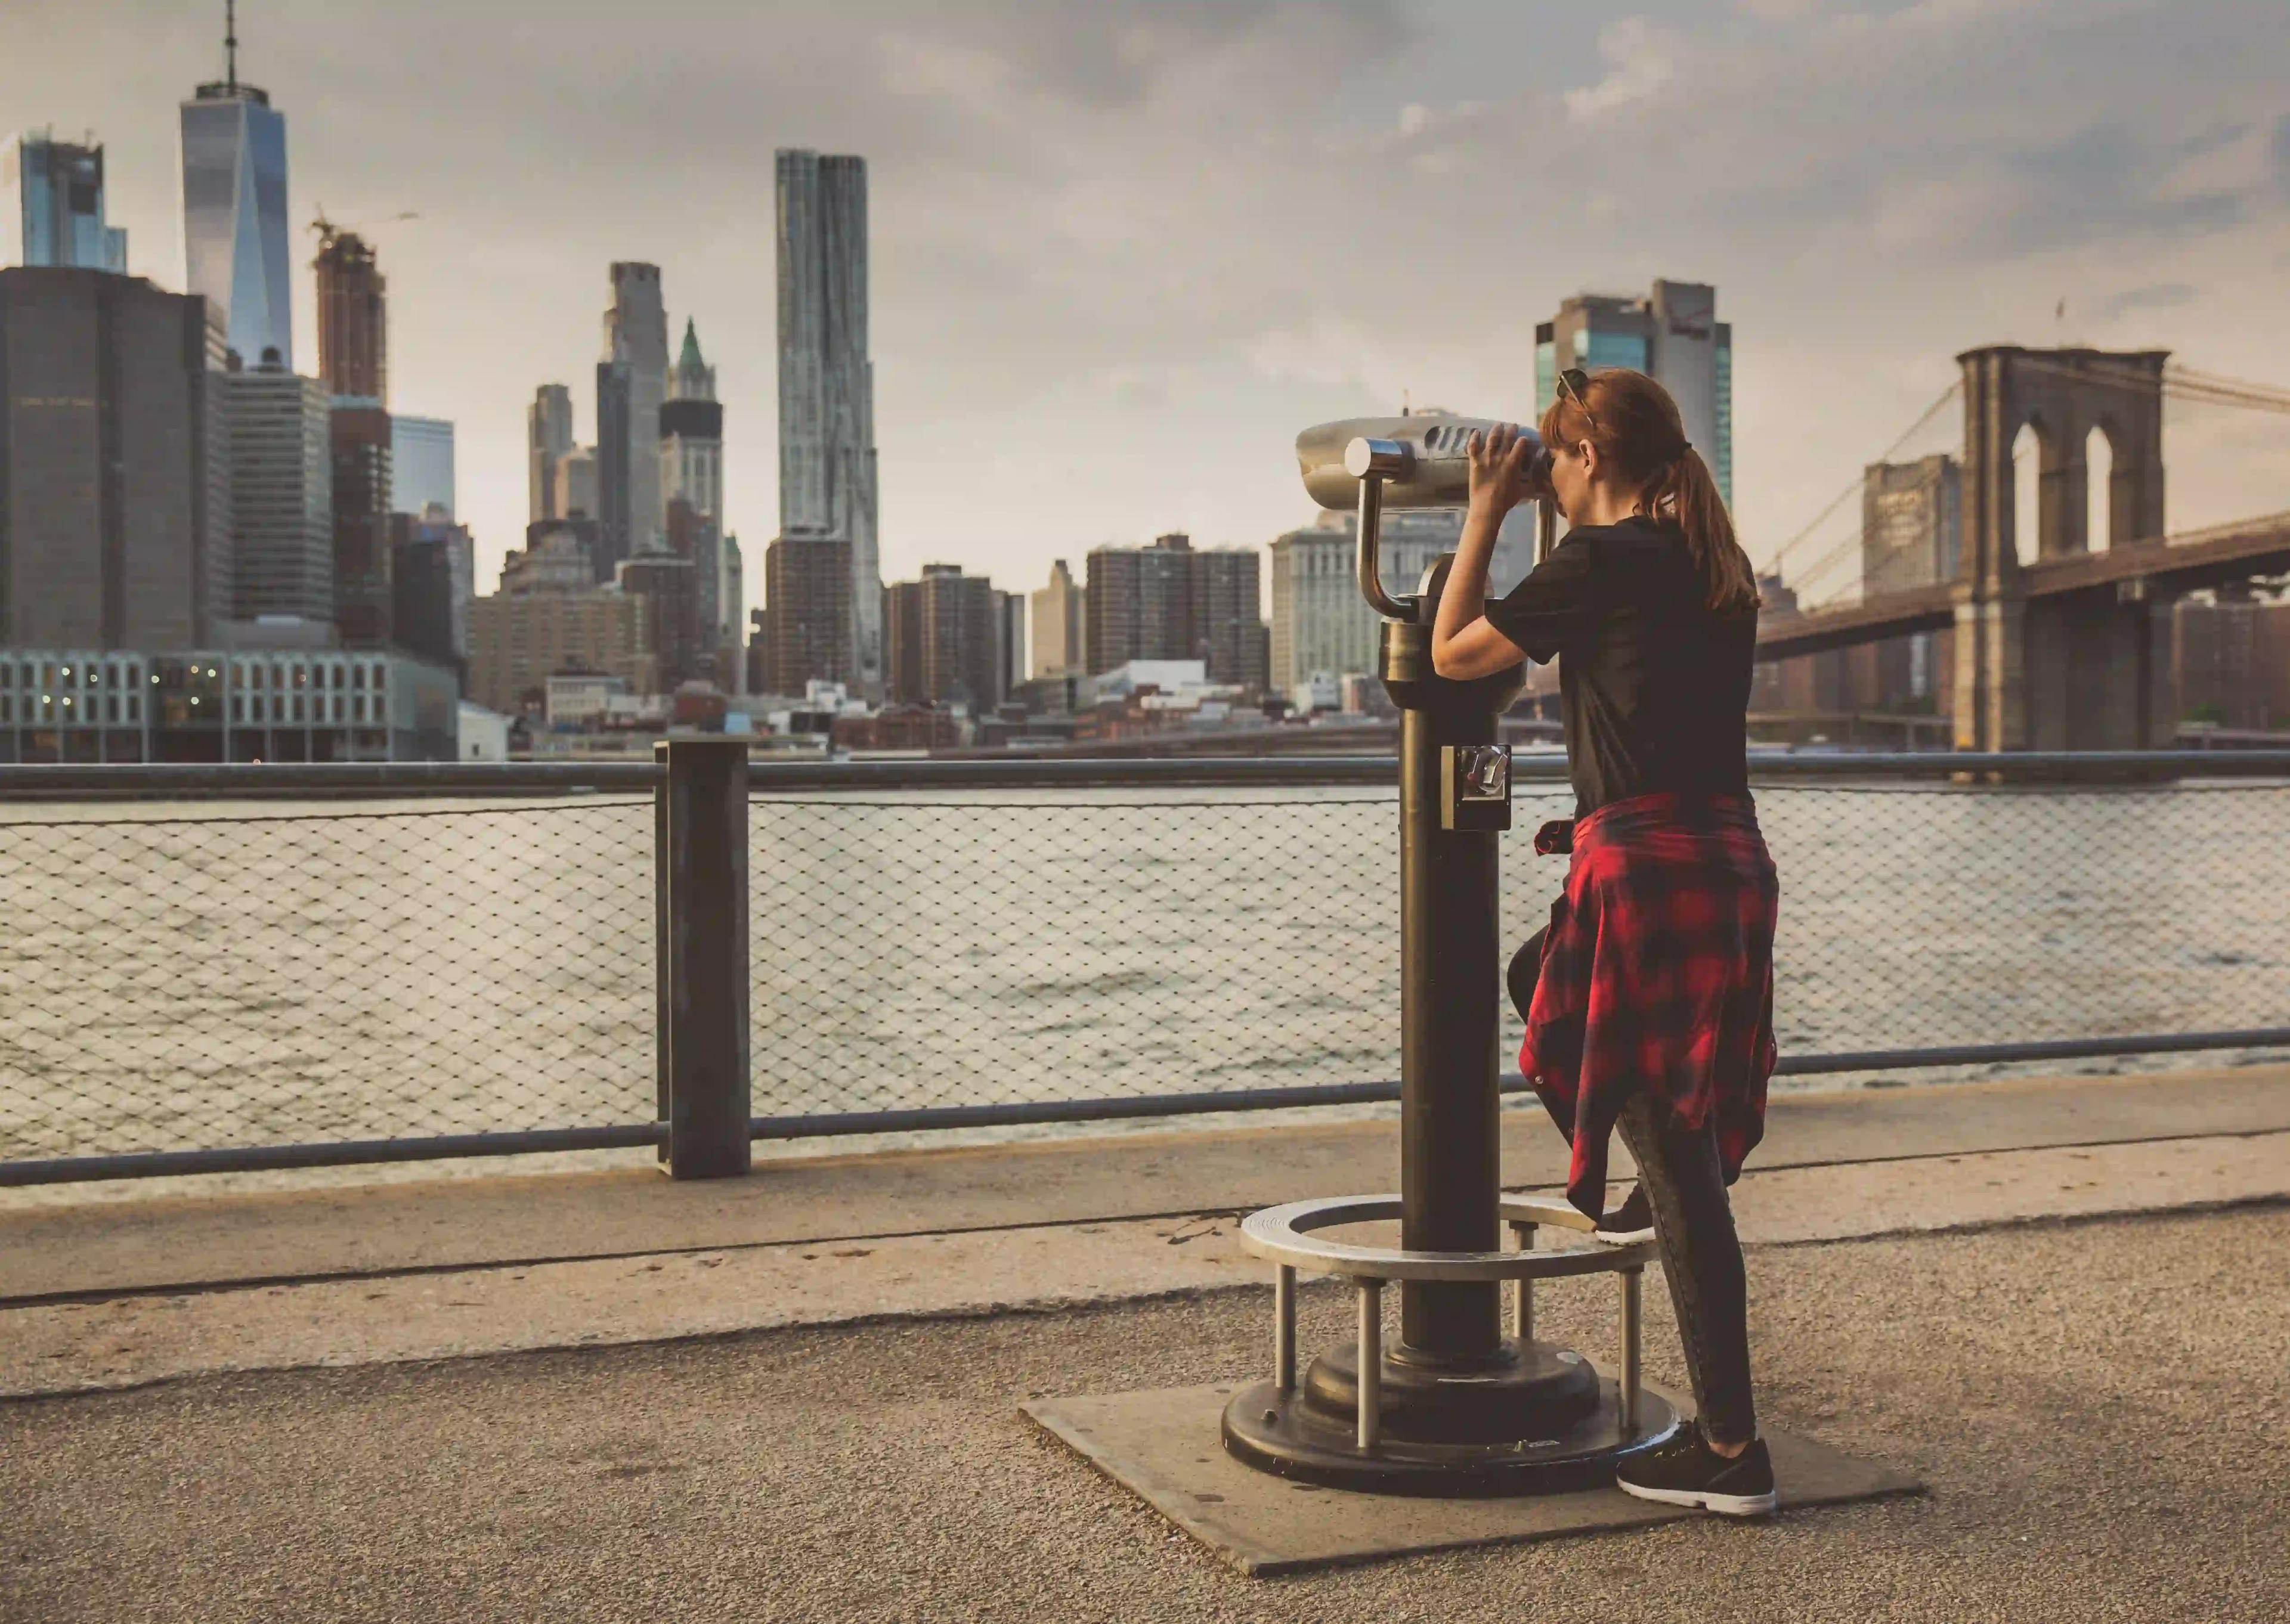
pixel 1163 1445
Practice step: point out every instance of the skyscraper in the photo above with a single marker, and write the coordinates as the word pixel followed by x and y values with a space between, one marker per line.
pixel 549 440
pixel 1674 336
pixel 1009 644
pixel 666 588
pixel 110 475
pixel 636 333
pixel 1057 609
pixel 420 464
pixel 575 491
pixel 282 495
pixel 234 152
pixel 826 389
pixel 432 583
pixel 715 586
pixel 52 206
pixel 353 317
pixel 615 465
pixel 692 434
pixel 358 433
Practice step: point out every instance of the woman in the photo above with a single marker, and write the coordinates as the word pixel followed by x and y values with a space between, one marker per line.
pixel 1648 999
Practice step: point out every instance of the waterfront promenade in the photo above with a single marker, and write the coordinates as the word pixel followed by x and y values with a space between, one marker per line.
pixel 2059 1304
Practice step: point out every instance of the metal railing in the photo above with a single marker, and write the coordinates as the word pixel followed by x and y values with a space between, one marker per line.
pixel 213 968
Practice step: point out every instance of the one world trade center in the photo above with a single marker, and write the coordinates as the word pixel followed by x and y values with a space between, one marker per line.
pixel 235 213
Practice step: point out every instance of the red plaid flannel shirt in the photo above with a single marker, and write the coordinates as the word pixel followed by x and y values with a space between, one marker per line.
pixel 1658 972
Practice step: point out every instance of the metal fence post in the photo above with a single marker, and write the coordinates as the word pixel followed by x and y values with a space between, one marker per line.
pixel 701 827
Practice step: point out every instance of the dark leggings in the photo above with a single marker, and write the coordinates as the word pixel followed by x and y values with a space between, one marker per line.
pixel 1685 1184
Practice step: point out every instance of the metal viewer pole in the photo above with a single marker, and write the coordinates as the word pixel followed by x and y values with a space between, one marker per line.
pixel 699 824
pixel 1459 1402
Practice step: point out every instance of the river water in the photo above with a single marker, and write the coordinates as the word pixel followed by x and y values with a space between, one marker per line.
pixel 225 973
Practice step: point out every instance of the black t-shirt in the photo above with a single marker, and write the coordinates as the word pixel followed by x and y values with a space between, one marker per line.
pixel 1655 687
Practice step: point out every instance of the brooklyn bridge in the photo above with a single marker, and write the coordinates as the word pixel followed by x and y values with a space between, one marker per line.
pixel 2064 644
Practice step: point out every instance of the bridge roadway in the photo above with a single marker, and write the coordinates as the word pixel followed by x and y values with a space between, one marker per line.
pixel 2184 563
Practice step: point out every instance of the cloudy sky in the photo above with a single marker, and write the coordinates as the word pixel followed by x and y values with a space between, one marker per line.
pixel 1122 251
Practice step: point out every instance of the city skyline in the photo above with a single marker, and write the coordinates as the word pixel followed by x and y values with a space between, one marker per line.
pixel 1136 300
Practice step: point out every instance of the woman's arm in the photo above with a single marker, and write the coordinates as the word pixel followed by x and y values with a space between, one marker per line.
pixel 1463 644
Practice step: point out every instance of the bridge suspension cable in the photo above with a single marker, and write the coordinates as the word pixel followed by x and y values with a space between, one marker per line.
pixel 1774 564
pixel 2183 383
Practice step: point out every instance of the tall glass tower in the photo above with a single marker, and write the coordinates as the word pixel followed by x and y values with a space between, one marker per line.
pixel 234 145
pixel 827 384
pixel 52 206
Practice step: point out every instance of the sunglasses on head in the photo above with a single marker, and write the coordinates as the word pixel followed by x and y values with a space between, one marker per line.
pixel 1575 383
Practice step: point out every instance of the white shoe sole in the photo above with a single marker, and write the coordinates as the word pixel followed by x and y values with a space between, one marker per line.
pixel 1623 1237
pixel 1723 1505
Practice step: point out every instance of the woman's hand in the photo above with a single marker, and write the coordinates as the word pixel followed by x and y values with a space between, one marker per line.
pixel 1500 458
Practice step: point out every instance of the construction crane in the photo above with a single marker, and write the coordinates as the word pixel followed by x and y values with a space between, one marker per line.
pixel 327 231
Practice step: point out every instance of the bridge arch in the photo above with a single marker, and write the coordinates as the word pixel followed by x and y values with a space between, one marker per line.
pixel 2099 504
pixel 2065 394
pixel 2035 461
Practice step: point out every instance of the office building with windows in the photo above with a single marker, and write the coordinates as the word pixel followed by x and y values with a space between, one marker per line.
pixel 420 464
pixel 549 440
pixel 282 495
pixel 576 495
pixel 115 475
pixel 1674 336
pixel 1171 600
pixel 719 615
pixel 807 612
pixel 87 705
pixel 549 615
pixel 432 583
pixel 666 590
pixel 359 437
pixel 948 644
pixel 52 206
pixel 1321 625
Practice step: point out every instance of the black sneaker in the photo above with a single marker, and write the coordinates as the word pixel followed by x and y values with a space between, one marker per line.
pixel 1687 1472
pixel 1633 1220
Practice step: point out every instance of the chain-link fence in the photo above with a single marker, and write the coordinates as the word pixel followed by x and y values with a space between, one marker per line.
pixel 201 974
pixel 963 950
pixel 179 977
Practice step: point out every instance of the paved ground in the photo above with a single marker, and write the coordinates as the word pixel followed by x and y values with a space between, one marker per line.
pixel 299 1234
pixel 2098 1407
pixel 124 1339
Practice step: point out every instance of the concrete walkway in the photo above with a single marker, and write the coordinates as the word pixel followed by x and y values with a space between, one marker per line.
pixel 2059 1303
pixel 182 1241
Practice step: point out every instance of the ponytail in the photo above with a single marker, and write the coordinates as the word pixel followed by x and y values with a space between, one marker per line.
pixel 1635 424
pixel 1687 495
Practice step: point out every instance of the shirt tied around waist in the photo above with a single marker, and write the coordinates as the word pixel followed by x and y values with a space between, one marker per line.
pixel 1658 973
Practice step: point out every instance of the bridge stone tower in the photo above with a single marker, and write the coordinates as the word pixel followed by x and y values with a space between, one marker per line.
pixel 2084 669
